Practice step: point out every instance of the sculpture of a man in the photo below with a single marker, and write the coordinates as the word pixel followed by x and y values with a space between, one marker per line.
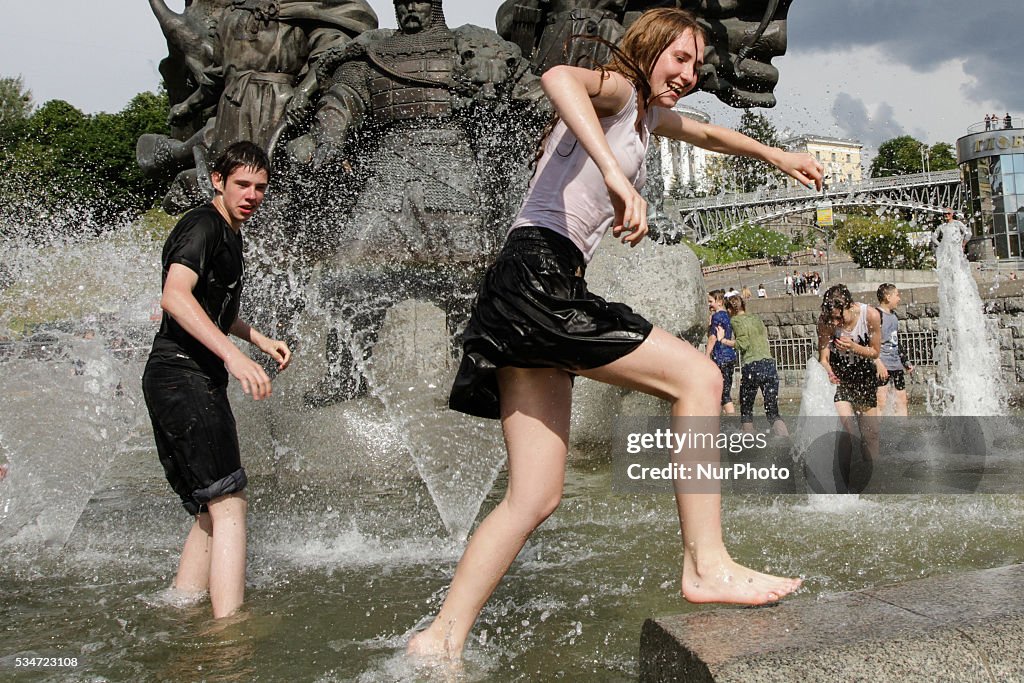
pixel 258 66
pixel 410 126
pixel 411 94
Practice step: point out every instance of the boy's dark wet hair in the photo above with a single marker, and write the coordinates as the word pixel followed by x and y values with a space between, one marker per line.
pixel 884 290
pixel 242 154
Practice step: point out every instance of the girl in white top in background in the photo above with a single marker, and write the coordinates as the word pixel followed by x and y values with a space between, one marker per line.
pixel 849 341
pixel 534 323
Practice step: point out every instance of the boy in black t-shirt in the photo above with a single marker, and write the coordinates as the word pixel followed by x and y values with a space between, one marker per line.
pixel 185 381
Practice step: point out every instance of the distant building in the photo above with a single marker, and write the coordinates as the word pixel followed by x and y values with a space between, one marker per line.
pixel 683 165
pixel 992 170
pixel 839 156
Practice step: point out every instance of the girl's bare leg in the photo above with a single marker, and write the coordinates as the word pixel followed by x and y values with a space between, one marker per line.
pixel 672 369
pixel 535 408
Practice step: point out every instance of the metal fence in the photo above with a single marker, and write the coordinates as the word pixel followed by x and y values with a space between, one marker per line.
pixel 920 347
pixel 793 354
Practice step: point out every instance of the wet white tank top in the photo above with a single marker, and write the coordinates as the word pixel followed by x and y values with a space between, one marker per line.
pixel 567 193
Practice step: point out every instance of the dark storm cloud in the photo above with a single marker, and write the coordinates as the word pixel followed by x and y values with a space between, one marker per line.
pixel 923 34
pixel 856 122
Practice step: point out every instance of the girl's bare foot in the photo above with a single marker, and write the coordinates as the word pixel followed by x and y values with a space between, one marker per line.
pixel 433 646
pixel 722 580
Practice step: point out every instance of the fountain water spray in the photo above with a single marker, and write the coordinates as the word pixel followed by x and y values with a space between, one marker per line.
pixel 969 380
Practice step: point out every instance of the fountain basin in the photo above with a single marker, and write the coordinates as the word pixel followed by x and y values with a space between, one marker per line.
pixel 967 627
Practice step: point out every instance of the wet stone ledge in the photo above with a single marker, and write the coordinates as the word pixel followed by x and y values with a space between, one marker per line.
pixel 961 628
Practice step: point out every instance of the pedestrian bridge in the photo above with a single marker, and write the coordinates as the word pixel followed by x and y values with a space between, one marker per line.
pixel 707 217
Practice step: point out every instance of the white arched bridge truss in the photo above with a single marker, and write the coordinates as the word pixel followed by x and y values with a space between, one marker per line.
pixel 705 218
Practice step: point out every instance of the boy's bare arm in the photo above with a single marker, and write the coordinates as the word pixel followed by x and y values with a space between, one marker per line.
pixel 179 302
pixel 276 349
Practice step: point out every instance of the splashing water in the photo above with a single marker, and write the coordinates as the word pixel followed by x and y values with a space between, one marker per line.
pixel 969 380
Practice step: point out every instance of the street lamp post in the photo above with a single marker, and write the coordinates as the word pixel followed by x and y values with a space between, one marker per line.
pixel 825 220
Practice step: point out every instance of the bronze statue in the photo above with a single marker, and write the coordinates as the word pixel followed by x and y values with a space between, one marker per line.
pixel 255 61
pixel 743 37
pixel 417 124
pixel 416 95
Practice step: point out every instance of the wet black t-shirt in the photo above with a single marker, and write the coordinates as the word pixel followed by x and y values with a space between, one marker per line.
pixel 205 243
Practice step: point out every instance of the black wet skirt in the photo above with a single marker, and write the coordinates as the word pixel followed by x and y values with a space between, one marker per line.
pixel 534 311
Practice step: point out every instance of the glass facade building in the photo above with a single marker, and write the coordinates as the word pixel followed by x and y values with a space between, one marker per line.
pixel 992 170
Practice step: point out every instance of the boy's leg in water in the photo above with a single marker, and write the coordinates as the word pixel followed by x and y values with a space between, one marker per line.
pixel 535 408
pixel 672 369
pixel 227 553
pixel 194 568
pixel 902 403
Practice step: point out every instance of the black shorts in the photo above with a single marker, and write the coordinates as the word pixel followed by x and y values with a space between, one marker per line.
pixel 534 311
pixel 897 378
pixel 862 395
pixel 195 432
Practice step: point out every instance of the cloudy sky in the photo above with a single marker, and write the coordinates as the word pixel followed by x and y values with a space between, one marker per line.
pixel 866 69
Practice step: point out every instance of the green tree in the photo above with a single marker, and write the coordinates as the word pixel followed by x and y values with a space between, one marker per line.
pixel 64 159
pixel 15 101
pixel 107 153
pixel 875 243
pixel 745 242
pixel 718 175
pixel 752 174
pixel 898 156
pixel 941 157
pixel 744 174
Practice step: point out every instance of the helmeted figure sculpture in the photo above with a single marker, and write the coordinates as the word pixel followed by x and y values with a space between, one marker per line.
pixel 743 37
pixel 255 62
pixel 415 123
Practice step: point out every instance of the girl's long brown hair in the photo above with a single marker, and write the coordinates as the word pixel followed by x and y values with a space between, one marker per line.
pixel 635 55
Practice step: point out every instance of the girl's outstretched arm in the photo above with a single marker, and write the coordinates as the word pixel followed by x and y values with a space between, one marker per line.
pixel 799 165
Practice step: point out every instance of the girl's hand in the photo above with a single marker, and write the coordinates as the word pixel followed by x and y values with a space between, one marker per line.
pixel 831 375
pixel 720 332
pixel 630 222
pixel 845 344
pixel 801 166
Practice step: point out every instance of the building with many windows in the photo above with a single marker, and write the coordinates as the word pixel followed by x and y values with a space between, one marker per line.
pixel 683 166
pixel 839 156
pixel 992 170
